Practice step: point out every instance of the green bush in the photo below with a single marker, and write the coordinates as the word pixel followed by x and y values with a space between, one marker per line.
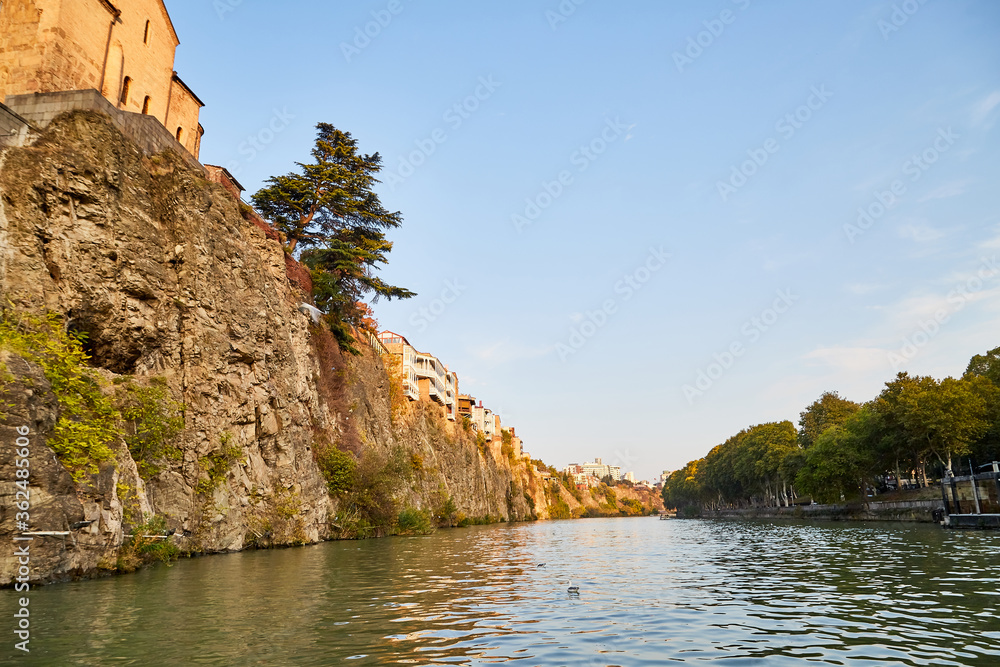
pixel 446 512
pixel 632 507
pixel 412 521
pixel 690 512
pixel 338 469
pixel 464 521
pixel 369 508
pixel 144 546
pixel 152 421
pixel 217 464
pixel 87 426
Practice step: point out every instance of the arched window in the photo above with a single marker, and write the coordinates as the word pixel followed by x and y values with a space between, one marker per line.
pixel 126 84
pixel 145 35
pixel 145 105
pixel 180 133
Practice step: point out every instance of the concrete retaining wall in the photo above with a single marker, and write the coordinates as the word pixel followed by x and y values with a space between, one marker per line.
pixel 14 129
pixel 919 511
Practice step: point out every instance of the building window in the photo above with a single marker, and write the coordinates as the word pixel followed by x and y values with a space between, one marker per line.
pixel 180 133
pixel 145 35
pixel 126 84
pixel 145 105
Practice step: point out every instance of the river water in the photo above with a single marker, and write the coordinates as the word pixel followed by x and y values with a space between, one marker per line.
pixel 651 593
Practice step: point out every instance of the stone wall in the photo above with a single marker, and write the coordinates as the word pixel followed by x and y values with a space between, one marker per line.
pixel 147 132
pixel 919 511
pixel 49 46
pixel 148 57
pixel 182 118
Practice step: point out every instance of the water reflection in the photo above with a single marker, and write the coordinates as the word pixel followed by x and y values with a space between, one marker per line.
pixel 650 592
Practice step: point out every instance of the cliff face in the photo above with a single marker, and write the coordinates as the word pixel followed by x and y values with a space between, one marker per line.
pixel 177 294
pixel 167 280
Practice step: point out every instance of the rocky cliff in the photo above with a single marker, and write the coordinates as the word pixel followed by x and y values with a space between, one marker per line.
pixel 188 315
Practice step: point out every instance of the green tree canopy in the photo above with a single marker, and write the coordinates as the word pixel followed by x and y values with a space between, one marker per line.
pixel 682 487
pixel 986 365
pixel 328 211
pixel 826 411
pixel 943 418
pixel 329 196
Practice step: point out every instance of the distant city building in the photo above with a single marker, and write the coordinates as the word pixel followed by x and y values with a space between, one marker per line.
pixel 592 473
pixel 600 470
pixel 629 477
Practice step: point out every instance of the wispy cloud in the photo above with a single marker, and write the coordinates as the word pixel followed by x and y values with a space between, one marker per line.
pixel 982 109
pixel 865 288
pixel 991 243
pixel 921 233
pixel 945 191
pixel 848 359
pixel 506 351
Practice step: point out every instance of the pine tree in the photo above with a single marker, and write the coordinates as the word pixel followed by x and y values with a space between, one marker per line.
pixel 332 218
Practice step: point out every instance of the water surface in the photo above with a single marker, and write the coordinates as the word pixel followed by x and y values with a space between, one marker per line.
pixel 651 593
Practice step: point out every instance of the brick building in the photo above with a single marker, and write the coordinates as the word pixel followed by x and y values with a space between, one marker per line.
pixel 123 50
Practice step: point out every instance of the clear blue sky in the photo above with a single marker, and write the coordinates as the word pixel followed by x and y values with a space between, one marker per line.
pixel 830 102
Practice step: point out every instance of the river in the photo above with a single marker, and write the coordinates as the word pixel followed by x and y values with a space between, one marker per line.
pixel 650 593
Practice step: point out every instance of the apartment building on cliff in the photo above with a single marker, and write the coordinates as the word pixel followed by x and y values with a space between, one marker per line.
pixel 425 377
pixel 116 57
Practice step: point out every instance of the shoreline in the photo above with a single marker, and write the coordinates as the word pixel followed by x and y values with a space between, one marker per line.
pixel 907 511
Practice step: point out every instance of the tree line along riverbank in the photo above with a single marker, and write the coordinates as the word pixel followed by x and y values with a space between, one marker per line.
pixel 918 429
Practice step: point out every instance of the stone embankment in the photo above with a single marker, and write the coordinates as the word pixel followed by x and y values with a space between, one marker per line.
pixel 919 511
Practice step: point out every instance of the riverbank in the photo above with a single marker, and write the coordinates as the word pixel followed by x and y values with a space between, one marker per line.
pixel 915 511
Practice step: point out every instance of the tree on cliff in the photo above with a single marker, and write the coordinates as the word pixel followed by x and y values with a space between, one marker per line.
pixel 329 213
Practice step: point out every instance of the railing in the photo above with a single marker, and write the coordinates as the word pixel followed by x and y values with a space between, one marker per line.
pixel 972 494
pixel 373 340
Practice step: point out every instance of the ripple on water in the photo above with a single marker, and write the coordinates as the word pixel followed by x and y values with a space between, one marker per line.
pixel 651 592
